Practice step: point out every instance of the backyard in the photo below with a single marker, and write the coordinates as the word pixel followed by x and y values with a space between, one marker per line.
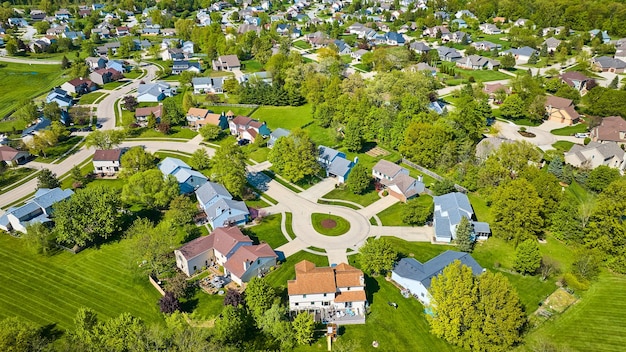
pixel 392 216
pixel 268 231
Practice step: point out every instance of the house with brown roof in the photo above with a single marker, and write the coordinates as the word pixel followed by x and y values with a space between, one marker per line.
pixel 561 110
pixel 493 89
pixel 142 114
pixel 226 63
pixel 105 75
pixel 335 294
pixel 198 118
pixel 611 129
pixel 79 86
pixel 246 128
pixel 596 154
pixel 230 248
pixel 575 80
pixel 396 180
pixel 11 156
pixel 107 162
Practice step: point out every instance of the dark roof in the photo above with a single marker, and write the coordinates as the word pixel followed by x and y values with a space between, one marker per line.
pixel 410 268
pixel 107 155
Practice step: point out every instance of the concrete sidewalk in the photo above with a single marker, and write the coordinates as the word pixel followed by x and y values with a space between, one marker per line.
pixel 378 206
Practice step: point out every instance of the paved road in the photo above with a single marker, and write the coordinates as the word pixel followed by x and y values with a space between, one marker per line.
pixel 543 138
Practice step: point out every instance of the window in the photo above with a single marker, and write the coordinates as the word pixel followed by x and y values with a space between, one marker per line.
pixel 326 303
pixel 297 304
pixel 303 296
pixel 324 295
pixel 312 303
pixel 348 288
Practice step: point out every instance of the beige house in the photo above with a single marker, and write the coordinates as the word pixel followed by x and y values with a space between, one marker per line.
pixel 595 154
pixel 396 180
pixel 611 129
pixel 561 110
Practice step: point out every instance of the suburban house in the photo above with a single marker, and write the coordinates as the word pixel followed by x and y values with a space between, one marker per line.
pixel 37 210
pixel 107 162
pixel 416 277
pixel 61 97
pixel 420 47
pixel 449 209
pixel 203 85
pixel 485 45
pixel 489 28
pixel 487 146
pixel 397 180
pixel 226 63
pixel 421 66
pixel 460 23
pixel 172 54
pixel 394 38
pixel 40 124
pixel 275 135
pixel 433 32
pixel 95 63
pixel 11 156
pixel 561 110
pixel 332 293
pixel 246 128
pixel 142 114
pixel 575 80
pixel 105 75
pixel 188 179
pixel 154 92
pixel 230 248
pixel 493 89
pixel 335 163
pixel 357 55
pixel 456 37
pixel 476 62
pixel 608 64
pixel 521 55
pixel 448 54
pixel 197 118
pixel 181 66
pixel 219 206
pixel 79 86
pixel 595 154
pixel 551 44
pixel 611 129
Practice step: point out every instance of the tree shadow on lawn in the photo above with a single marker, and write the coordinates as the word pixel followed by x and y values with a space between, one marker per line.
pixel 371 287
pixel 50 332
pixel 189 305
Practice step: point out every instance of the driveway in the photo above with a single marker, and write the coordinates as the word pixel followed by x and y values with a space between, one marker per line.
pixel 318 190
pixel 378 206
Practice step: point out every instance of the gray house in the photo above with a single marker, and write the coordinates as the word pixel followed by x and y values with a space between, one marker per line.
pixel 449 210
pixel 277 133
pixel 416 277
pixel 335 163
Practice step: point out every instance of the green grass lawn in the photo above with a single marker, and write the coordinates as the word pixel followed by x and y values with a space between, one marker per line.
pixel 58 150
pixel 90 98
pixel 479 75
pixel 175 132
pixel 163 154
pixel 392 216
pixel 365 199
pixel 362 67
pixel 86 169
pixel 49 290
pixel 596 323
pixel 268 231
pixel 570 130
pixel 287 271
pixel 258 154
pixel 342 225
pixel 13 175
pixel 236 110
pixel 257 203
pixel 288 117
pixel 251 66
pixel 20 82
pixel 132 74
pixel 301 44
pixel 563 146
pixel 481 210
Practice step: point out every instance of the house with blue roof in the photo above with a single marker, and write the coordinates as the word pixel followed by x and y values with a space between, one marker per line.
pixel 275 135
pixel 61 97
pixel 335 163
pixel 342 47
pixel 449 210
pixel 188 179
pixel 37 210
pixel 220 207
pixel 416 277
pixel 394 38
pixel 41 124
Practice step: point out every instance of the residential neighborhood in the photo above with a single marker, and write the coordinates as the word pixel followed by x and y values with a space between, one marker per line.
pixel 312 175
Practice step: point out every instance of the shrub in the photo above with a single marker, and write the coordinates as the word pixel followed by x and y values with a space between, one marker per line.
pixel 573 282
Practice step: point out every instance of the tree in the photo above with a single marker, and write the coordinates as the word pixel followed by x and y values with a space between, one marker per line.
pixel 304 328
pixel 41 27
pixel 527 257
pixel 513 107
pixel 151 189
pixel 295 156
pixel 130 102
pixel 17 335
pixel 39 238
pixel 169 303
pixel 548 268
pixel 52 111
pixel 614 83
pixel 274 323
pixel 172 113
pixel 587 265
pixel 178 285
pixel 415 212
pixel 463 236
pixel 231 326
pixel 424 143
pixel 210 132
pixel 516 210
pixel 442 187
pixel 200 159
pixel 65 63
pixel 108 139
pixel 152 245
pixel 182 210
pixel 47 179
pixel 188 102
pixel 89 214
pixel 229 168
pixel 353 139
pixel 507 61
pixel 184 27
pixel 79 69
pixel 359 179
pixel 234 298
pixel 27 112
pixel 260 296
pixel 136 159
pixel 377 256
pixel 600 177
pixel 78 179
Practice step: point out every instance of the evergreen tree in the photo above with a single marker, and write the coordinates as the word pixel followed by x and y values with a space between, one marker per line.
pixel 527 257
pixel 614 83
pixel 463 236
pixel 556 167
pixel 65 63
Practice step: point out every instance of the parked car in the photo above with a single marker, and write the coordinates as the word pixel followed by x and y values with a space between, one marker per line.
pixel 581 135
pixel 243 142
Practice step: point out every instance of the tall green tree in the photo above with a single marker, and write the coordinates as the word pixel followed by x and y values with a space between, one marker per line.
pixel 274 323
pixel 602 176
pixel 295 156
pixel 210 132
pixel 517 211
pixel 150 188
pixel 260 296
pixel 416 212
pixel 172 113
pixel 18 335
pixel 200 159
pixel 229 168
pixel 513 107
pixel 359 179
pixel 463 236
pixel 232 325
pixel 377 256
pixel 527 257
pixel 181 211
pixel 304 328
pixel 136 159
pixel 47 179
pixel 424 143
pixel 108 139
pixel 39 238
pixel 90 214
pixel 353 139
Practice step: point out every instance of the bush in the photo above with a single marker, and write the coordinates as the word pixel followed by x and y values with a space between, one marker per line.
pixel 571 281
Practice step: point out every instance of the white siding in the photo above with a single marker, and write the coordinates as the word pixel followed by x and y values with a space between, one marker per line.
pixel 414 286
pixel 311 301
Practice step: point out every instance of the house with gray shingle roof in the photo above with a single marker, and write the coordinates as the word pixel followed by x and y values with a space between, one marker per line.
pixel 219 206
pixel 275 135
pixel 416 277
pixel 551 44
pixel 596 154
pixel 476 62
pixel 449 210
pixel 37 210
pixel 396 180
pixel 188 179
pixel 608 64
pixel 521 55
pixel 335 163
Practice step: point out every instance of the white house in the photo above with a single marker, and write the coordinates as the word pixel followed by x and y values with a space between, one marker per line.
pixel 335 163
pixel 416 277
pixel 336 293
pixel 107 162
pixel 188 180
pixel 596 154
pixel 449 210
pixel 230 248
pixel 154 92
pixel 397 180
pixel 203 85
pixel 220 207
pixel 37 210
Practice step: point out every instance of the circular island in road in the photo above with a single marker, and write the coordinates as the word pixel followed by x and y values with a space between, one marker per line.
pixel 329 225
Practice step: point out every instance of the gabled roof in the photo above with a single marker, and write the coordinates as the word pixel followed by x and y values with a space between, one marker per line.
pixel 558 102
pixel 247 254
pixel 8 154
pixel 311 280
pixel 45 198
pixel 226 238
pixel 279 132
pixel 242 120
pixel 387 168
pixel 197 112
pixel 107 155
pixel 156 110
pixel 210 190
pixel 404 182
pixel 410 268
pixel 184 174
pixel 169 165
pixel 610 128
pixel 449 209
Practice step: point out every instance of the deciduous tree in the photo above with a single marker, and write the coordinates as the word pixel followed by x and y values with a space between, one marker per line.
pixel 229 168
pixel 210 132
pixel 136 159
pixel 151 189
pixel 39 238
pixel 527 257
pixel 517 211
pixel 182 210
pixel 47 179
pixel 260 296
pixel 169 303
pixel 200 159
pixel 359 179
pixel 416 212
pixel 377 256
pixel 232 325
pixel 17 335
pixel 295 156
pixel 600 177
pixel 304 328
pixel 108 139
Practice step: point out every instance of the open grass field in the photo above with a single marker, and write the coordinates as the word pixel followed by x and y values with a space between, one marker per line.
pixel 364 199
pixel 19 82
pixel 268 231
pixel 224 109
pixel 49 290
pixel 90 98
pixel 329 225
pixel 392 216
pixel 288 117
pixel 596 323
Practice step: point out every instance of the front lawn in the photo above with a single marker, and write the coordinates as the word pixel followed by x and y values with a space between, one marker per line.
pixel 58 150
pixel 365 199
pixel 113 85
pixel 392 216
pixel 268 231
pixel 301 44
pixel 362 67
pixel 90 98
pixel 322 223
pixel 251 66
pixel 563 146
pixel 13 175
pixel 175 132
pixel 49 290
pixel 571 130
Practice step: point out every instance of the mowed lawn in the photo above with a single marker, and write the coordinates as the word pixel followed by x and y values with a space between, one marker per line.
pixel 49 290
pixel 287 117
pixel 19 82
pixel 596 323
